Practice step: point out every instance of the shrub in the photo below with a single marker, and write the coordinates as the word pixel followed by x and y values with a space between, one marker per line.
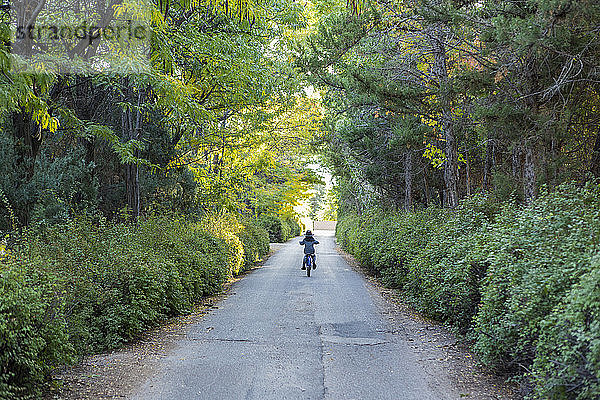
pixel 280 229
pixel 567 363
pixel 255 239
pixel 226 226
pixel 33 338
pixel 535 256
pixel 293 225
pixel 386 243
pixel 346 230
pixel 118 280
pixel 448 263
pixel 272 225
pixel 350 232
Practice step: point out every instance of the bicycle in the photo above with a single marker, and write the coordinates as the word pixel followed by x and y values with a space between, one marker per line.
pixel 309 262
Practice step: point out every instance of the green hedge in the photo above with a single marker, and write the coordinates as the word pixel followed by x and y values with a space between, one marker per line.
pixel 519 281
pixel 32 336
pixel 256 242
pixel 568 351
pixel 226 227
pixel 280 229
pixel 89 286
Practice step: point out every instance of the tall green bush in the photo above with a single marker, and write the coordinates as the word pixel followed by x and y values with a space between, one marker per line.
pixel 279 229
pixel 536 255
pixel 226 226
pixel 567 363
pixel 255 239
pixel 445 272
pixel 294 226
pixel 33 337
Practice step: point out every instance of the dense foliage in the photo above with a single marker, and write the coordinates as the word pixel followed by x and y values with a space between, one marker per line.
pixel 521 281
pixel 89 286
pixel 213 119
pixel 430 101
pixel 280 229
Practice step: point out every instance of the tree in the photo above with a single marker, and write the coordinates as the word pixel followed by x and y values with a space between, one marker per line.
pixel 491 92
pixel 193 126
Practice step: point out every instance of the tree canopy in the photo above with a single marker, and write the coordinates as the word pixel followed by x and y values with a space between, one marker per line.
pixel 431 101
pixel 214 117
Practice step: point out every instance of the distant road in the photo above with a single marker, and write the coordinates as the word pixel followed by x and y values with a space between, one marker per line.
pixel 282 335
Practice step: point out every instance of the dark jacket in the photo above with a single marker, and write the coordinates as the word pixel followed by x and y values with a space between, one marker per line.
pixel 309 244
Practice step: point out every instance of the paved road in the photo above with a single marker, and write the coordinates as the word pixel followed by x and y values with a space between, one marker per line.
pixel 282 335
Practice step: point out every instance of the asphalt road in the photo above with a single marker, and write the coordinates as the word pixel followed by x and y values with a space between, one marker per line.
pixel 283 335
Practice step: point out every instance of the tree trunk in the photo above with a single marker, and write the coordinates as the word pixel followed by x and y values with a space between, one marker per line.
pixel 426 189
pixel 532 86
pixel 529 175
pixel 468 173
pixel 132 182
pixel 451 169
pixel 132 187
pixel 28 133
pixel 440 71
pixel 87 104
pixel 490 162
pixel 131 125
pixel 515 162
pixel 408 178
pixel 595 162
pixel 555 164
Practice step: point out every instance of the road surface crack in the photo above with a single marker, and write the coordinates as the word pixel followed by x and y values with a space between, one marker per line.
pixel 222 340
pixel 322 359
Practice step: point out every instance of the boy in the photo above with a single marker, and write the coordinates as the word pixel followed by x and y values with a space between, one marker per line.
pixel 309 248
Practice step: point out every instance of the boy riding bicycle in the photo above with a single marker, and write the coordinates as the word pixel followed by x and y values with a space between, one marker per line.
pixel 309 249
